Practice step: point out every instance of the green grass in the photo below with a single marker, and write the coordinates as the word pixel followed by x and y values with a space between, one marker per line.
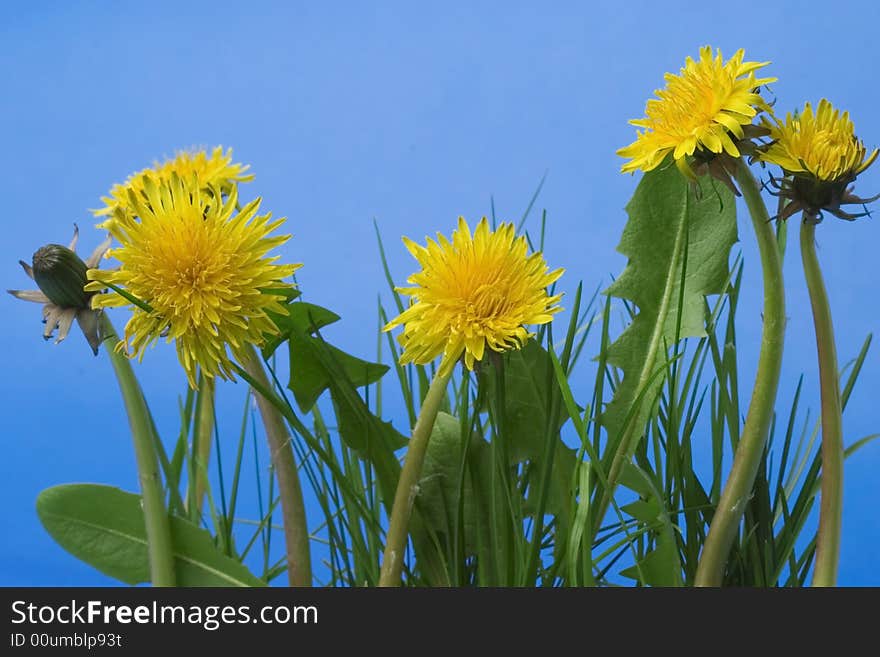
pixel 518 459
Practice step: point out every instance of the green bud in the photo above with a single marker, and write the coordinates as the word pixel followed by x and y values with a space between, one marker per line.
pixel 61 275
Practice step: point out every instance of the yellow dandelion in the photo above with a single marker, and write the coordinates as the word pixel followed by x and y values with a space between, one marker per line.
pixel 821 154
pixel 476 291
pixel 213 171
pixel 704 110
pixel 199 271
pixel 823 145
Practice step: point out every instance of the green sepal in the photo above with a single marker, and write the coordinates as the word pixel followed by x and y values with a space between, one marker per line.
pixel 61 275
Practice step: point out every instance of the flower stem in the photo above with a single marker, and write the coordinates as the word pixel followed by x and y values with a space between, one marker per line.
pixel 143 435
pixel 734 497
pixel 831 505
pixel 203 436
pixel 408 484
pixel 293 510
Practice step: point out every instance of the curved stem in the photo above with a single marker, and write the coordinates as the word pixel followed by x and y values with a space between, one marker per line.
pixel 831 505
pixel 408 484
pixel 143 435
pixel 293 510
pixel 731 506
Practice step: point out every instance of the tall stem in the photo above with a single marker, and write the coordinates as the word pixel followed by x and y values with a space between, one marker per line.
pixel 203 437
pixel 143 435
pixel 293 510
pixel 831 505
pixel 408 484
pixel 731 506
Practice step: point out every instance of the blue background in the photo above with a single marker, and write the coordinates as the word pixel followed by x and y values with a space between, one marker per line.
pixel 409 113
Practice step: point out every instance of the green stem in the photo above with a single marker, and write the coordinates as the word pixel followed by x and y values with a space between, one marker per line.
pixel 293 510
pixel 203 437
pixel 408 484
pixel 734 497
pixel 152 493
pixel 831 505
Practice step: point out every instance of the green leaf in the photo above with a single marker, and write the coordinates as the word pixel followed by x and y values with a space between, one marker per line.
pixel 678 241
pixel 361 429
pixel 646 511
pixel 301 316
pixel 439 485
pixel 104 527
pixel 662 565
pixel 528 400
pixel 315 365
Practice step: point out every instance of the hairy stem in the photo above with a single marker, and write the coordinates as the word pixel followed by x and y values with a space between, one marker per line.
pixel 735 496
pixel 831 505
pixel 293 510
pixel 144 437
pixel 408 484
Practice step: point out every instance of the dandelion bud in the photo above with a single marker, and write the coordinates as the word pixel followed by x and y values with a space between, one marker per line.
pixel 61 275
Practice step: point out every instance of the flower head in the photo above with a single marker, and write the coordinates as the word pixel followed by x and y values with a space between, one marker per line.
pixel 475 291
pixel 61 276
pixel 821 155
pixel 198 271
pixel 705 111
pixel 214 171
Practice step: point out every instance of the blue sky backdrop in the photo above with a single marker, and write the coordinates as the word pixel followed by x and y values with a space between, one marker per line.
pixel 407 113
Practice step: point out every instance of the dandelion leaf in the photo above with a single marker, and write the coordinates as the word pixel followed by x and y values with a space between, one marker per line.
pixel 678 240
pixel 104 527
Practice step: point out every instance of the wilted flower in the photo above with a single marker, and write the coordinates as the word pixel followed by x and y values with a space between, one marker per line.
pixel 61 276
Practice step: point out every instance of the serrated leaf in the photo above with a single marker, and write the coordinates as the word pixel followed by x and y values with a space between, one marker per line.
pixel 678 242
pixel 660 567
pixel 633 478
pixel 301 317
pixel 646 511
pixel 104 527
pixel 315 365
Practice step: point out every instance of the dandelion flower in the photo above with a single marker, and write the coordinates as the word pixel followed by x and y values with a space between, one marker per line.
pixel 476 291
pixel 705 111
pixel 61 276
pixel 213 171
pixel 821 155
pixel 195 271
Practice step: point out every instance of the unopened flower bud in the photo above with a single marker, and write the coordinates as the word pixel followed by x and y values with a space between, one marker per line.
pixel 61 275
